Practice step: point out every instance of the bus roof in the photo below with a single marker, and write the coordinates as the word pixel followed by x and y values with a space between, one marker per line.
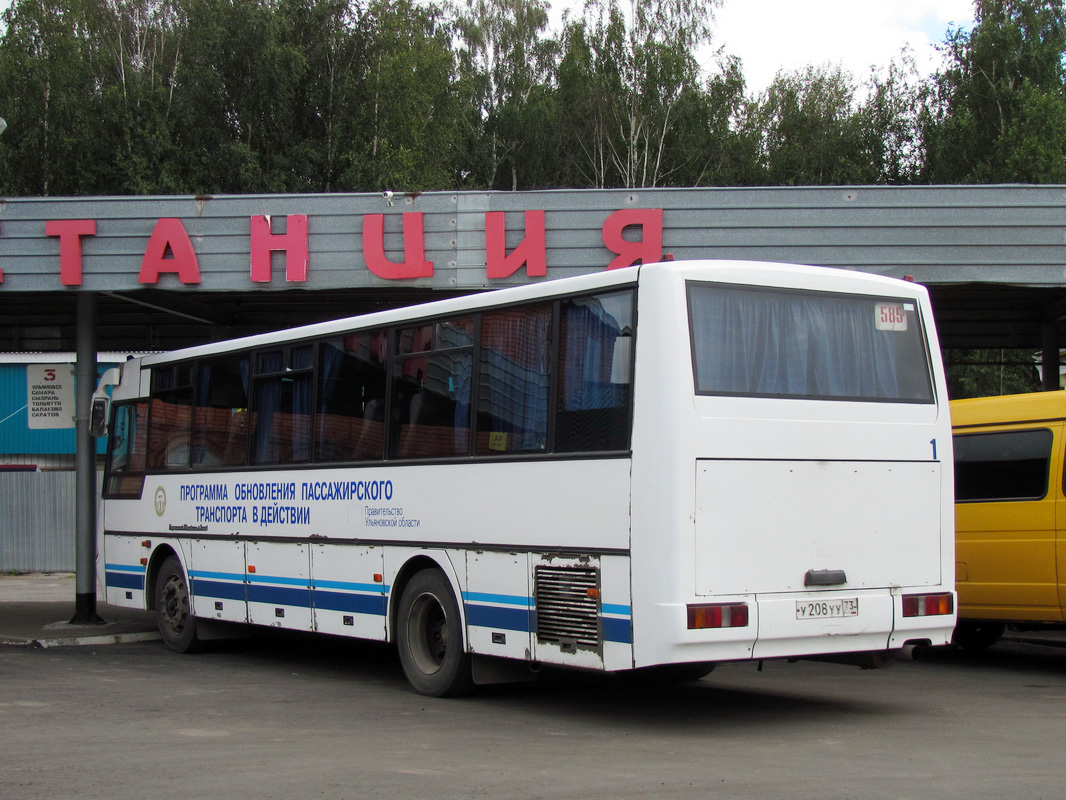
pixel 735 271
pixel 1011 409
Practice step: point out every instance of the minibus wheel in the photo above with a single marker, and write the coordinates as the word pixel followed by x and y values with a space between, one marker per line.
pixel 173 608
pixel 974 636
pixel 430 637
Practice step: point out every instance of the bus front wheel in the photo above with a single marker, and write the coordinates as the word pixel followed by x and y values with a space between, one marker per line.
pixel 173 608
pixel 430 637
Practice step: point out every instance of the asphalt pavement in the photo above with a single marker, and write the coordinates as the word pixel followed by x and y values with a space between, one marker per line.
pixel 36 609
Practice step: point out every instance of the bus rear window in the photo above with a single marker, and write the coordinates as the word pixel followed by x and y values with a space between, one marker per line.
pixel 755 342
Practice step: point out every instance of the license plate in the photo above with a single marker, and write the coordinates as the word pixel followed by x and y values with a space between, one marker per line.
pixel 824 609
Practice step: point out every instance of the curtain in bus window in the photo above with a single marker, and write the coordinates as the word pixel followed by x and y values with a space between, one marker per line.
pixel 593 412
pixel 799 344
pixel 350 422
pixel 514 378
pixel 282 412
pixel 220 419
pixel 431 390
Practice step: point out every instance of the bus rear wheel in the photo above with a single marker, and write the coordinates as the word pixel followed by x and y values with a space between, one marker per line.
pixel 173 608
pixel 430 637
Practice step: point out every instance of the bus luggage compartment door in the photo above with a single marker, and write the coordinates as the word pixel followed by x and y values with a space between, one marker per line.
pixel 792 527
pixel 762 526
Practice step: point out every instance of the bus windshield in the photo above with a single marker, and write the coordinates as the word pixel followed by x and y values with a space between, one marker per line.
pixel 758 342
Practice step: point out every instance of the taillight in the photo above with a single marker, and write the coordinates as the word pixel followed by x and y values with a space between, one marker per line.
pixel 927 605
pixel 718 615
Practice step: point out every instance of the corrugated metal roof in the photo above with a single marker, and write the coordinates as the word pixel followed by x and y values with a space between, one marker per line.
pixel 994 257
pixel 938 234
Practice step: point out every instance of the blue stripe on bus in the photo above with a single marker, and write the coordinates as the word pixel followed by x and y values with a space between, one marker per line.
pixel 120 580
pixel 617 630
pixel 356 603
pixel 297 592
pixel 279 595
pixel 512 619
pixel 218 589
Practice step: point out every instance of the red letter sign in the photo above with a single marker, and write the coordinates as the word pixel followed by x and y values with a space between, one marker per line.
pixel 531 251
pixel 70 232
pixel 293 242
pixel 648 250
pixel 414 264
pixel 169 234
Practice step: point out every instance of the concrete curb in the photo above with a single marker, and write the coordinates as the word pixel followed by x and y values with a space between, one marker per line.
pixel 79 641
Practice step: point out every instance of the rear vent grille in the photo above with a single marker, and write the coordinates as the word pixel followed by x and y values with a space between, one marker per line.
pixel 568 607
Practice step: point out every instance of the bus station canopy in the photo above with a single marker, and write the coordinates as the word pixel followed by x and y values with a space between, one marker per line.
pixel 168 272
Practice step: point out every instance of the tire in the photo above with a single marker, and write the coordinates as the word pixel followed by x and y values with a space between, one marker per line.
pixel 666 674
pixel 695 672
pixel 974 636
pixel 429 635
pixel 173 609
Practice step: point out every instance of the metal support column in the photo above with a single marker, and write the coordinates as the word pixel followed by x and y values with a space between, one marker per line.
pixel 1049 355
pixel 85 463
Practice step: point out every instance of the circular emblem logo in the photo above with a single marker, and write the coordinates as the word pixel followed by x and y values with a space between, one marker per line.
pixel 160 501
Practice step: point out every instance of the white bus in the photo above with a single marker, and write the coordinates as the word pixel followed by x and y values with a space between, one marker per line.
pixel 672 464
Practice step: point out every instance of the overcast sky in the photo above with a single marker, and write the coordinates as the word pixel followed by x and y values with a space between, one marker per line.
pixel 769 35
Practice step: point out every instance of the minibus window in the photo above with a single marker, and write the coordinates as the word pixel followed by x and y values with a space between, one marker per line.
pixel 1011 465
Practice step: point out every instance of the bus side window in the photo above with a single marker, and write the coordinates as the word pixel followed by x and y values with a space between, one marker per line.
pixel 1008 465
pixel 350 418
pixel 595 366
pixel 220 420
pixel 282 406
pixel 431 390
pixel 171 418
pixel 514 377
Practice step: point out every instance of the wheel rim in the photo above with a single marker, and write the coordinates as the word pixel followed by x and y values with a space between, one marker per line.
pixel 428 633
pixel 174 603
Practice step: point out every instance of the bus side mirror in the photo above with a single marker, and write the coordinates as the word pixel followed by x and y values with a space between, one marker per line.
pixel 101 408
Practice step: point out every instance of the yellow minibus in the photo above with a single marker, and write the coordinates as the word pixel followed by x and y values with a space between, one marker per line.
pixel 1010 515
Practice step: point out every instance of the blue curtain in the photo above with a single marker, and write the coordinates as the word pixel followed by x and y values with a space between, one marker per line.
pixel 267 403
pixel 767 343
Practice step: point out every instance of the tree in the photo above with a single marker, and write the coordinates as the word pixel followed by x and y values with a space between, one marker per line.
pixel 813 133
pixel 405 133
pixel 626 83
pixel 51 100
pixel 505 64
pixel 984 373
pixel 997 112
pixel 137 55
pixel 893 113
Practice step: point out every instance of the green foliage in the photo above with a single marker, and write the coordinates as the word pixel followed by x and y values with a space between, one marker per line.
pixel 116 97
pixel 997 112
pixel 984 373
